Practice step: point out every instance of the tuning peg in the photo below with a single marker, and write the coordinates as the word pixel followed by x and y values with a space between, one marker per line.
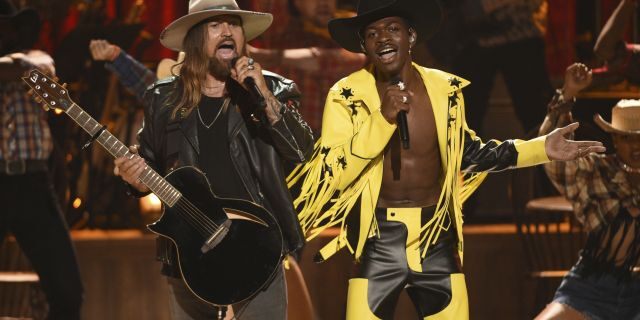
pixel 56 79
pixel 38 99
pixel 45 107
pixel 64 85
pixel 30 92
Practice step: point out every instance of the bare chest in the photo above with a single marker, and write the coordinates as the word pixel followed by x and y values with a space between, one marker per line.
pixel 411 176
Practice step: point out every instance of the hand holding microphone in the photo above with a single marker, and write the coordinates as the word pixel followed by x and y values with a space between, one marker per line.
pixel 395 105
pixel 248 73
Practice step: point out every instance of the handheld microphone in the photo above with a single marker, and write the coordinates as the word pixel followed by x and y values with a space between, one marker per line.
pixel 403 127
pixel 252 87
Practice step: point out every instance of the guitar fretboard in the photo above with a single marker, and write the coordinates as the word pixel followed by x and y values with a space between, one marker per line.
pixel 165 191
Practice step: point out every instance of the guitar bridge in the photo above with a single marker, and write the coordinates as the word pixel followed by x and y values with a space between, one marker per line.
pixel 216 237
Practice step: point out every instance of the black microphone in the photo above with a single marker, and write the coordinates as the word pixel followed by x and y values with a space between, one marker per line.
pixel 252 87
pixel 403 127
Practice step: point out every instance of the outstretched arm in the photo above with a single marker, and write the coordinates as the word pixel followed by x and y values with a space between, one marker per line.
pixel 613 30
pixel 557 126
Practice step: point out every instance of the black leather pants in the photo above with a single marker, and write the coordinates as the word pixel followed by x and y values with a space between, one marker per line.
pixel 391 262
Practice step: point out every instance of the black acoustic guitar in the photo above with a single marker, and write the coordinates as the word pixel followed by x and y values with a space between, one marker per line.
pixel 228 249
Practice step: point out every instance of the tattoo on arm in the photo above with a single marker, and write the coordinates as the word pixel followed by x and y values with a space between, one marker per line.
pixel 273 108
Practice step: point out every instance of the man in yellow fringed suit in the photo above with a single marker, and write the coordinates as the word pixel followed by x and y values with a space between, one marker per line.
pixel 399 204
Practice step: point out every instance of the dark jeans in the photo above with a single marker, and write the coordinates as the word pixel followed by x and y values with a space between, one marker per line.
pixel 600 297
pixel 31 212
pixel 523 67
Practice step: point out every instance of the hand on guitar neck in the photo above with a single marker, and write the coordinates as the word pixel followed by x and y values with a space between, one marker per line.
pixel 130 168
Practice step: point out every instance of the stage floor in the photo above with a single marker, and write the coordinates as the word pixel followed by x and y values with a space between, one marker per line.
pixel 122 279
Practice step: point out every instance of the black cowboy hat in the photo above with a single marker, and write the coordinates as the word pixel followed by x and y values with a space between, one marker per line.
pixel 25 23
pixel 424 16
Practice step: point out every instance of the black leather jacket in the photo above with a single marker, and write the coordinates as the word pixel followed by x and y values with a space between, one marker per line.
pixel 257 148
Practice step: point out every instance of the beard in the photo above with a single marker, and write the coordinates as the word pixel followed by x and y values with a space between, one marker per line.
pixel 219 68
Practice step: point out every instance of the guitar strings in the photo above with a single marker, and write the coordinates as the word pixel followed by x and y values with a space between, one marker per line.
pixel 197 225
pixel 208 225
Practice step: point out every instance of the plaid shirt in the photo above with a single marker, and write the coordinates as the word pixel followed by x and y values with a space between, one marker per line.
pixel 603 199
pixel 24 133
pixel 133 75
pixel 596 185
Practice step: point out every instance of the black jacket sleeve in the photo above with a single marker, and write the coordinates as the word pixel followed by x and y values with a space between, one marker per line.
pixel 491 156
pixel 292 136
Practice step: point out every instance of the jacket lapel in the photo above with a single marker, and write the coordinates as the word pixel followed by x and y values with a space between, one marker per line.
pixel 234 119
pixel 189 128
pixel 440 85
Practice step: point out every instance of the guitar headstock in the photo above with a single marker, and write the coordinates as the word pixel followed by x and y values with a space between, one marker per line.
pixel 48 91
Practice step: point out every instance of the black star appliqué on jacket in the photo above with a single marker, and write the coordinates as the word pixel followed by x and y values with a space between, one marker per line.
pixel 455 82
pixel 326 167
pixel 342 161
pixel 346 93
pixel 453 100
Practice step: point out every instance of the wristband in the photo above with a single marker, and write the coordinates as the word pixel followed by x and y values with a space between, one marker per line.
pixel 561 99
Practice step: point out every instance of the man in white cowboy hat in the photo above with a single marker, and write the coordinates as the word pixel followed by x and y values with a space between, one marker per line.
pixel 232 120
pixel 30 209
pixel 605 193
pixel 398 197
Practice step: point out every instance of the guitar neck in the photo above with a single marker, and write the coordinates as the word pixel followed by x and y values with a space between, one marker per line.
pixel 158 185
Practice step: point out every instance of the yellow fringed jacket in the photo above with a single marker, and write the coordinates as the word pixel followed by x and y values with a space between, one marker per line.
pixel 346 169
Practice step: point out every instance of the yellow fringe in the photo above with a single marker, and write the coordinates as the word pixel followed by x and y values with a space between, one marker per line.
pixel 321 205
pixel 456 189
pixel 320 187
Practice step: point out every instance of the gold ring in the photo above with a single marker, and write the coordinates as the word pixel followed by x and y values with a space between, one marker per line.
pixel 404 99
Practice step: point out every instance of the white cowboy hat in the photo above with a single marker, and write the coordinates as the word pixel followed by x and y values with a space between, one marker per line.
pixel 253 23
pixel 625 118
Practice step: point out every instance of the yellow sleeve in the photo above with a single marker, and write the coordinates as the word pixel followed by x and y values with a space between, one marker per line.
pixel 531 152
